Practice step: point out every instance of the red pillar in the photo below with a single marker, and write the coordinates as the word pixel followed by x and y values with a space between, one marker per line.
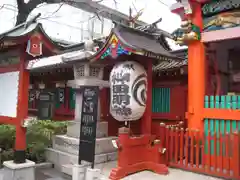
pixel 196 74
pixel 104 105
pixel 146 122
pixel 22 113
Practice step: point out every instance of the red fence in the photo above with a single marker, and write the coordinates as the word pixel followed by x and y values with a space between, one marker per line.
pixel 191 150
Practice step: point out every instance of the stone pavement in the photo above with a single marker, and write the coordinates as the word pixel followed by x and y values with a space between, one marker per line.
pixel 52 174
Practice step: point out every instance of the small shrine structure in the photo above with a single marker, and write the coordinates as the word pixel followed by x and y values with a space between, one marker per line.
pixel 17 46
pixel 126 44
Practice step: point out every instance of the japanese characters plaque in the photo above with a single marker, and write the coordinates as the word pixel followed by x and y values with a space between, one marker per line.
pixel 88 123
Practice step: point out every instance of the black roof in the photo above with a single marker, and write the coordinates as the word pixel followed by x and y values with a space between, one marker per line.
pixel 27 29
pixel 140 42
pixel 165 66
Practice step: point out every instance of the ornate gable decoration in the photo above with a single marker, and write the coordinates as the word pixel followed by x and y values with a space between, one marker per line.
pixel 188 32
pixel 115 48
pixel 218 6
pixel 34 46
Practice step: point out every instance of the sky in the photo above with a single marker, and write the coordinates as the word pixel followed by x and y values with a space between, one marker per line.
pixel 65 23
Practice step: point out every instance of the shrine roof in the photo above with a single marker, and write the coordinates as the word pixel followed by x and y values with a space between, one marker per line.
pixel 133 41
pixel 57 61
pixel 165 65
pixel 22 32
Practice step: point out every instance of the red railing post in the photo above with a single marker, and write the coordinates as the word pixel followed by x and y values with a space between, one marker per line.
pixel 228 155
pixel 221 153
pixel 176 145
pixel 171 151
pixel 191 134
pixel 181 149
pixel 186 147
pixel 197 148
pixel 236 166
pixel 167 144
pixel 208 155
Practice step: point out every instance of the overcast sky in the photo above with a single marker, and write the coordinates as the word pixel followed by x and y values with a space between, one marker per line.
pixel 65 23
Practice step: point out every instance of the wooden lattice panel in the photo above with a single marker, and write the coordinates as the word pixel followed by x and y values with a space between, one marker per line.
pixel 79 71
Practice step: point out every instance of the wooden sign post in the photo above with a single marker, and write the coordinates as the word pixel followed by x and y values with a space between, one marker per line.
pixel 88 124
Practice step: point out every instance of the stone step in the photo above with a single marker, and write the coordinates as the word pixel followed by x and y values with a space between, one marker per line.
pixel 58 158
pixel 73 129
pixel 104 167
pixel 71 145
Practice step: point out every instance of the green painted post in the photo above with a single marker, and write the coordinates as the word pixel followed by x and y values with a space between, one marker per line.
pixel 162 91
pixel 72 98
pixel 169 100
pixel 234 106
pixel 164 99
pixel 222 105
pixel 238 107
pixel 206 129
pixel 212 127
pixel 154 100
pixel 161 100
pixel 158 96
pixel 228 106
pixel 217 123
pixel 222 125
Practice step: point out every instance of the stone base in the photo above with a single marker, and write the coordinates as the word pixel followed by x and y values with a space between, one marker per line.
pixel 24 171
pixel 92 174
pixel 78 172
pixel 71 145
pixel 73 129
pixel 60 158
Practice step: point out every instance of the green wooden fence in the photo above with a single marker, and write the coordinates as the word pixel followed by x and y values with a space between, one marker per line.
pixel 220 125
pixel 161 100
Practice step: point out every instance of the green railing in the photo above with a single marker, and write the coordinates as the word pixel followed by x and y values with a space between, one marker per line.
pixel 161 100
pixel 222 126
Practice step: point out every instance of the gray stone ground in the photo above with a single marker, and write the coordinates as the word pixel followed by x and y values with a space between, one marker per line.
pixel 51 174
pixel 145 175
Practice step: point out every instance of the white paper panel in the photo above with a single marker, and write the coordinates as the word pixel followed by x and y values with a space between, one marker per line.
pixel 9 93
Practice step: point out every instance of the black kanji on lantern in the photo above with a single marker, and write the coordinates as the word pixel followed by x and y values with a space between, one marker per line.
pixel 120 94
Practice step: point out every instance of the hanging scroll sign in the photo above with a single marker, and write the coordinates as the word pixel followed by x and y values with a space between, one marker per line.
pixel 31 98
pixel 61 95
pixel 128 87
pixel 88 124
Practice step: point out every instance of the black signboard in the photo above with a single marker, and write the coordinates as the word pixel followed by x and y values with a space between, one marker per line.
pixel 45 105
pixel 88 124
